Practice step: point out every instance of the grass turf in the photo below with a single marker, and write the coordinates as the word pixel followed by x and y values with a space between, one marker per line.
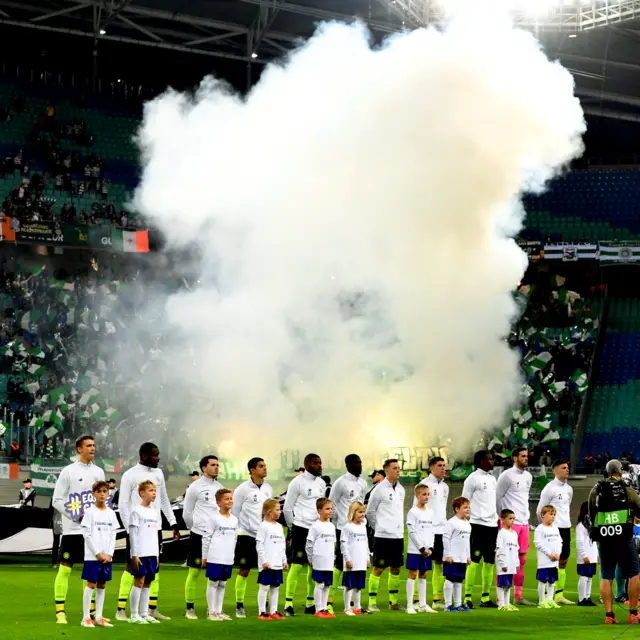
pixel 26 591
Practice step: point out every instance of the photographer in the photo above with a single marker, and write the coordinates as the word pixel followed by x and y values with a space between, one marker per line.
pixel 612 506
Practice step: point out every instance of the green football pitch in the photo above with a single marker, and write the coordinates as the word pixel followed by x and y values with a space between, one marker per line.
pixel 26 592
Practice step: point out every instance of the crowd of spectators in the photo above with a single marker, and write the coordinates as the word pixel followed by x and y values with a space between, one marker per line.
pixel 556 339
pixel 61 339
pixel 71 174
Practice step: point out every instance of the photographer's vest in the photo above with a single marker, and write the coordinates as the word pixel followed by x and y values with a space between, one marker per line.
pixel 612 521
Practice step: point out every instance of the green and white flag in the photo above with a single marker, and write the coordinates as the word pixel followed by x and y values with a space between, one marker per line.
pixel 552 435
pixel 522 433
pixel 619 252
pixel 580 380
pixel 36 370
pixel 556 388
pixel 557 281
pixel 29 318
pixel 539 401
pixel 521 415
pixel 537 362
pixel 540 427
pixel 44 478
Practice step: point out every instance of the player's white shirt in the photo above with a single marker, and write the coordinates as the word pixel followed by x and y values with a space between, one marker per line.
pixel 354 545
pixel 200 505
pixel 300 503
pixel 271 545
pixel 99 528
pixel 480 489
pixel 321 545
pixel 585 547
pixel 248 499
pixel 72 495
pixel 144 524
pixel 456 540
pixel 129 496
pixel 346 490
pixel 438 498
pixel 507 549
pixel 547 540
pixel 420 529
pixel 513 493
pixel 385 511
pixel 219 546
pixel 559 495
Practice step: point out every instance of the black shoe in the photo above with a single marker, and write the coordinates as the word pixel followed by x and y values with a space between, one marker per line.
pixel 583 603
pixel 621 599
pixel 590 603
pixel 289 612
pixel 488 605
pixel 469 604
pixel 310 609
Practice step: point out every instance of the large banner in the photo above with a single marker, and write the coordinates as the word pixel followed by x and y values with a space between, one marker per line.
pixel 100 236
pixel 619 252
pixel 570 252
pixel 45 476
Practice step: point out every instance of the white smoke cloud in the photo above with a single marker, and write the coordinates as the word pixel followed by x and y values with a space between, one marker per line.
pixel 381 180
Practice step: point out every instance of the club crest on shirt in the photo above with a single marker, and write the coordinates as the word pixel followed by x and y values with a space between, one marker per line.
pixel 309 492
pixel 352 493
pixel 391 496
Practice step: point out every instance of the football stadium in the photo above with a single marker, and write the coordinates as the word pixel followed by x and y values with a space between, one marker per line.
pixel 315 310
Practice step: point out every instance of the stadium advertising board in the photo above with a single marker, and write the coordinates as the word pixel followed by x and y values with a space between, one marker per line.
pixel 101 236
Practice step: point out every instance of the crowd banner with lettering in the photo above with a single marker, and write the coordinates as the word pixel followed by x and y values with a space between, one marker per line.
pixel 532 248
pixel 45 476
pixel 568 252
pixel 75 235
pixel 619 252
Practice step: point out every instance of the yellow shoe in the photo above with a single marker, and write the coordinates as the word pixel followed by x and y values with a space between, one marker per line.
pixel 61 617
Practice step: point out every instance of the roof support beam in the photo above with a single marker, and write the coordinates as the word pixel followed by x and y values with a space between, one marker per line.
pixel 61 12
pixel 146 32
pixel 216 38
pixel 267 13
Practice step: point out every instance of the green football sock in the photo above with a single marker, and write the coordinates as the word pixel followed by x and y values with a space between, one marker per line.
pixel 393 583
pixel 488 578
pixel 374 583
pixel 562 579
pixel 241 588
pixel 191 587
pixel 311 585
pixel 61 586
pixel 292 583
pixel 437 582
pixel 126 582
pixel 470 580
pixel 154 590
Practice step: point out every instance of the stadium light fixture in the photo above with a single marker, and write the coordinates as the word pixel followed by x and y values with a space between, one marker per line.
pixel 573 35
pixel 103 32
pixel 254 55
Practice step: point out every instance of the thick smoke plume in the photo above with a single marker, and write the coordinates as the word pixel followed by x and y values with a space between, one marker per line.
pixel 353 217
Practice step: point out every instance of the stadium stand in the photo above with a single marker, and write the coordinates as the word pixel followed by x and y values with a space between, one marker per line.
pixel 614 418
pixel 586 206
pixel 66 156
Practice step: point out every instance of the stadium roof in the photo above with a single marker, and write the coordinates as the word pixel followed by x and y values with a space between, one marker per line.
pixel 599 40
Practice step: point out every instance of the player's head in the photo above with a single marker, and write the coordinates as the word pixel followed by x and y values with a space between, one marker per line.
pixel 548 514
pixel 210 466
pixel 86 448
pixel 508 518
pixel 299 471
pixel 421 492
pixel 27 483
pixel 378 475
pixel 313 464
pixel 271 510
pixel 483 460
pixel 353 463
pixel 462 507
pixel 100 491
pixel 224 499
pixel 561 470
pixel 149 455
pixel 257 468
pixel 112 483
pixel 147 491
pixel 194 476
pixel 520 457
pixel 325 508
pixel 584 512
pixel 437 467
pixel 391 469
pixel 356 512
